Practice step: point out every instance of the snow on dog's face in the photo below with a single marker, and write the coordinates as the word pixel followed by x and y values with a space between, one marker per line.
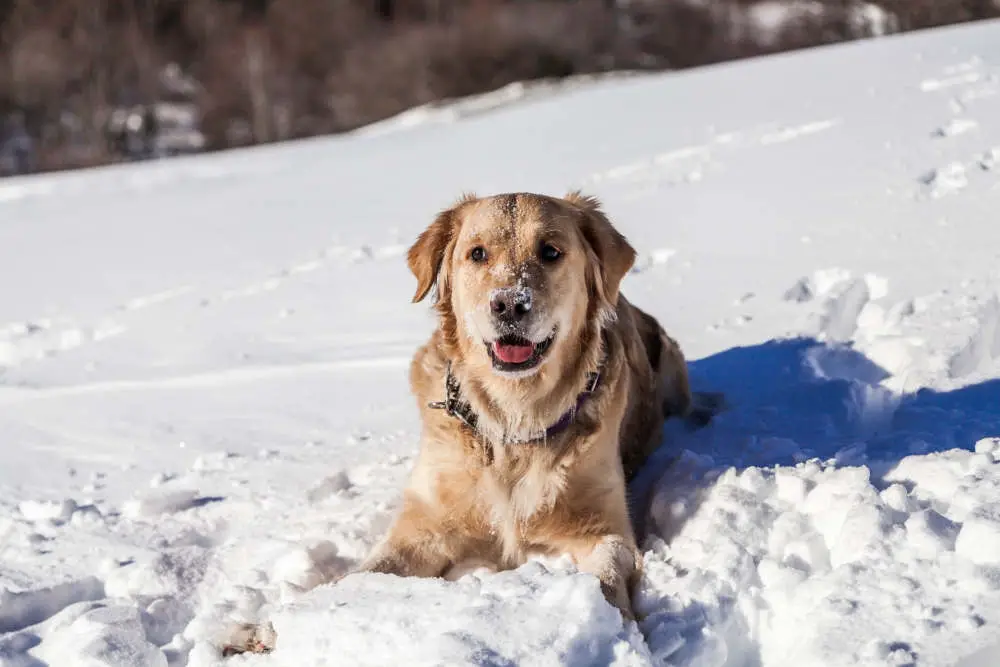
pixel 521 279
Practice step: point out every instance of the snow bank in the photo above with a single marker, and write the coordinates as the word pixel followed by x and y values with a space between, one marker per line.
pixel 534 615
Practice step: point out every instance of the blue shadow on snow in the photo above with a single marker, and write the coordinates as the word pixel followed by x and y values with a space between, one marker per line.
pixel 789 400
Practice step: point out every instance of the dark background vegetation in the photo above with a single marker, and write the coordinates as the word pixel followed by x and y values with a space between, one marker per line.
pixel 87 82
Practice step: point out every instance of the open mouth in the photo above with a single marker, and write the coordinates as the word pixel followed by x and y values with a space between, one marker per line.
pixel 516 353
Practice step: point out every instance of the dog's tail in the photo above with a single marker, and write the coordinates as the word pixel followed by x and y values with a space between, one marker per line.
pixel 704 406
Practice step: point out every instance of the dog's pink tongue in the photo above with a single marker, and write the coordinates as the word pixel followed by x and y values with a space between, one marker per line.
pixel 513 354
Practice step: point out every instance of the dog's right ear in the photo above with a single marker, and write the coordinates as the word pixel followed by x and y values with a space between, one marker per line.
pixel 426 255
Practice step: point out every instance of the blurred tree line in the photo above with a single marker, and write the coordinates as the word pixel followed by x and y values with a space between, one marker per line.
pixel 86 82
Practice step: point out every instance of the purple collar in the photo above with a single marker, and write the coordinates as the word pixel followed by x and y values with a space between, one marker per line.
pixel 593 380
pixel 462 410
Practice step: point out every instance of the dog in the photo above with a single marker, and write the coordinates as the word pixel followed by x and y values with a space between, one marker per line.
pixel 541 391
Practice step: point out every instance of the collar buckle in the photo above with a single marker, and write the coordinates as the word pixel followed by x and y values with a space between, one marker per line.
pixel 453 403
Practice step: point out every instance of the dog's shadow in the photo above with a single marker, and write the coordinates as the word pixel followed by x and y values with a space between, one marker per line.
pixel 788 401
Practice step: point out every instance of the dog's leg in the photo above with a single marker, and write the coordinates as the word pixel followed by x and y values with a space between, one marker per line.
pixel 414 547
pixel 406 558
pixel 616 563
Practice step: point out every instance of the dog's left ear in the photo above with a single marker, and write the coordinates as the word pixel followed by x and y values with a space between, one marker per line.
pixel 426 255
pixel 615 254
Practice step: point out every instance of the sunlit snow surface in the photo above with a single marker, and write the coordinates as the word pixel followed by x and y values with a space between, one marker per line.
pixel 204 410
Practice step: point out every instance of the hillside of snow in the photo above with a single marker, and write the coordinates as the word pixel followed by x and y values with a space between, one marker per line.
pixel 204 408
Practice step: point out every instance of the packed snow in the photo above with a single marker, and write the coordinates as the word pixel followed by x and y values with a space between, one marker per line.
pixel 205 415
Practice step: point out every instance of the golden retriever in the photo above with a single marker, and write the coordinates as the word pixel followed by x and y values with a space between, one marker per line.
pixel 541 392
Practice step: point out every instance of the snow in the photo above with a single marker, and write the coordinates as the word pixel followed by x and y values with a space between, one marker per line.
pixel 769 18
pixel 205 418
pixel 535 615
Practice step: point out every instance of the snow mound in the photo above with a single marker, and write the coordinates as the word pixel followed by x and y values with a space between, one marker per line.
pixel 22 609
pixel 534 615
pixel 758 550
pixel 102 636
pixel 152 504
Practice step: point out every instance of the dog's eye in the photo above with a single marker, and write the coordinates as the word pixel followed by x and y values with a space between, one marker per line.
pixel 549 253
pixel 478 254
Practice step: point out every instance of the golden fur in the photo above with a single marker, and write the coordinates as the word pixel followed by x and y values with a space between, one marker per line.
pixel 490 495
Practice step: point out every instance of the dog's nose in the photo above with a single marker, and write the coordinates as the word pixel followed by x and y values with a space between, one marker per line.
pixel 510 304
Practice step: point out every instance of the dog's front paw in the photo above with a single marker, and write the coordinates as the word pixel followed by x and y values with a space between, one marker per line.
pixel 250 638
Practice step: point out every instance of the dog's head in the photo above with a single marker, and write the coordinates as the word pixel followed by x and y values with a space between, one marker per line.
pixel 521 278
